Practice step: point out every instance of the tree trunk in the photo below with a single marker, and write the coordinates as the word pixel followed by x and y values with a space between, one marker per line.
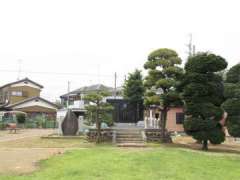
pixel 205 145
pixel 98 125
pixel 137 116
pixel 163 124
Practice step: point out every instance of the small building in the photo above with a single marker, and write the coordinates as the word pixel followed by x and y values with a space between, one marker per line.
pixel 24 95
pixel 175 118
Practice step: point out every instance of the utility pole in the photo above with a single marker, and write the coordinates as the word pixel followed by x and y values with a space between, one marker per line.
pixel 68 89
pixel 194 50
pixel 115 85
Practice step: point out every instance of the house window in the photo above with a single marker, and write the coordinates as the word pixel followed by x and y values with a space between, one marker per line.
pixel 17 93
pixel 179 118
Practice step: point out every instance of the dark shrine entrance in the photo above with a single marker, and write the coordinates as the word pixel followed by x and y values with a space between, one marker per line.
pixel 124 112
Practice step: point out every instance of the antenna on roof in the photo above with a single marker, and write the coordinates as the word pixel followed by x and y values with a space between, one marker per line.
pixel 19 68
pixel 191 47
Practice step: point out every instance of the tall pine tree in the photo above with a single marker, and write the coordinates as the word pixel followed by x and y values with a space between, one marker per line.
pixel 232 103
pixel 163 76
pixel 134 92
pixel 203 95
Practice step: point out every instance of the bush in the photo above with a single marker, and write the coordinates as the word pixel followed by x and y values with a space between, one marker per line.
pixel 2 125
pixel 50 124
pixel 21 118
pixel 30 124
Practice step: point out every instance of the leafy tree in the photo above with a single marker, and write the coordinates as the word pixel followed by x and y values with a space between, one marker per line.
pixel 21 118
pixel 134 91
pixel 98 109
pixel 163 76
pixel 232 103
pixel 203 95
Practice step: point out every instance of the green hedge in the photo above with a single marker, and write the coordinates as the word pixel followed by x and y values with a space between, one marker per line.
pixel 30 125
pixel 49 124
pixel 2 125
pixel 45 124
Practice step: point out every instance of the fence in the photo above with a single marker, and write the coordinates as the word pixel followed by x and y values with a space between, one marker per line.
pixel 151 123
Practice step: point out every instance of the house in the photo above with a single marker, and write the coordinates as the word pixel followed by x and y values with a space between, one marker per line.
pixel 123 112
pixel 75 99
pixel 175 118
pixel 24 95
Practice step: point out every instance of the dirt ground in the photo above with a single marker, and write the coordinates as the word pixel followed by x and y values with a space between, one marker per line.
pixel 230 145
pixel 22 159
pixel 6 135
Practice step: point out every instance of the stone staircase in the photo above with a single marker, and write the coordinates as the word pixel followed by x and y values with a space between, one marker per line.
pixel 129 137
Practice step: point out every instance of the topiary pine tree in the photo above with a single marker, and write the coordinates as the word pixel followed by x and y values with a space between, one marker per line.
pixel 203 95
pixel 98 108
pixel 163 75
pixel 134 91
pixel 232 103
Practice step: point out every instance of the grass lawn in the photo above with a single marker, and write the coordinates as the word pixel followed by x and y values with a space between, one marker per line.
pixel 106 163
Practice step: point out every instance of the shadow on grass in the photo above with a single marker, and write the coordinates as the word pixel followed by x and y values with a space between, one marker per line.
pixel 231 149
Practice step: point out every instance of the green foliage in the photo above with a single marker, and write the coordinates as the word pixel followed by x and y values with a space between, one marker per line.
pixel 105 114
pixel 98 110
pixel 133 88
pixel 205 62
pixel 2 125
pixel 203 92
pixel 233 75
pixel 231 90
pixel 134 92
pixel 161 82
pixel 232 103
pixel 163 75
pixel 21 118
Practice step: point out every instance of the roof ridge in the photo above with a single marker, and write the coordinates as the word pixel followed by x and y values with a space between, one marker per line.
pixel 21 80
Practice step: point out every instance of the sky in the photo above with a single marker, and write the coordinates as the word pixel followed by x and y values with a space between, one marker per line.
pixel 85 42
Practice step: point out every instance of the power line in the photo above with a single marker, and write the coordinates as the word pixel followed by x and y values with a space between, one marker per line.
pixel 56 73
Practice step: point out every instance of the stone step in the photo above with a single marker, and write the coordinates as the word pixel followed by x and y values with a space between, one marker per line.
pixel 129 139
pixel 131 145
pixel 129 142
pixel 122 132
pixel 128 135
pixel 128 129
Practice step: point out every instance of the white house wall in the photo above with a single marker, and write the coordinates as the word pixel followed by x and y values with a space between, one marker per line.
pixel 35 103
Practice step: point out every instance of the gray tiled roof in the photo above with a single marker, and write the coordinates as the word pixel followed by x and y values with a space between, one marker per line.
pixel 92 88
pixel 22 80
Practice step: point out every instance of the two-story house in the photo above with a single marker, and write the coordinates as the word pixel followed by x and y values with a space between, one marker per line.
pixel 24 95
pixel 75 101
